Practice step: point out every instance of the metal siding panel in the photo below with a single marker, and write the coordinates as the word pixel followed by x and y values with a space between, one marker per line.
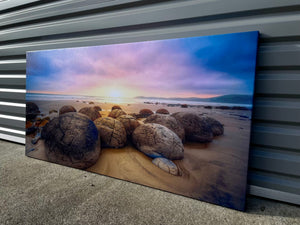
pixel 10 4
pixel 275 136
pixel 16 64
pixel 274 82
pixel 274 181
pixel 147 14
pixel 12 97
pixel 280 110
pixel 282 162
pixel 13 138
pixel 12 134
pixel 13 124
pixel 289 26
pixel 56 9
pixel 12 110
pixel 279 55
pixel 12 83
pixel 274 194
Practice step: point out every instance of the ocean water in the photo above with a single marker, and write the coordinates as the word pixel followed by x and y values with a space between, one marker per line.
pixel 54 97
pixel 169 101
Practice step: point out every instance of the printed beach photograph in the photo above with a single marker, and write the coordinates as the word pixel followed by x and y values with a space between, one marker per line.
pixel 170 114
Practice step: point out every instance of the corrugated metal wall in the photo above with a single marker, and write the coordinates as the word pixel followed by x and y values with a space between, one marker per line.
pixel 275 143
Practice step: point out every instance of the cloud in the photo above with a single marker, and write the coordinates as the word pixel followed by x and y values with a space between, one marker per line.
pixel 214 65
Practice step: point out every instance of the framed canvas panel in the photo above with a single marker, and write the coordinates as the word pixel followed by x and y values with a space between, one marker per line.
pixel 170 114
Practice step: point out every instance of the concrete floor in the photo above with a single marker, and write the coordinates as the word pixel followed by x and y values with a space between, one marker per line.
pixel 37 192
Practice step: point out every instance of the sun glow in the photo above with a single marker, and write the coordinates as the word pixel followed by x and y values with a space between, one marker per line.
pixel 114 93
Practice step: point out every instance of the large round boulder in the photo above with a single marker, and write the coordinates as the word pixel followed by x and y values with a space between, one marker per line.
pixel 156 140
pixel 116 107
pixel 97 108
pixel 216 126
pixel 196 128
pixel 72 140
pixel 32 110
pixel 144 113
pixel 91 112
pixel 169 122
pixel 111 131
pixel 66 109
pixel 115 113
pixel 129 123
pixel 162 111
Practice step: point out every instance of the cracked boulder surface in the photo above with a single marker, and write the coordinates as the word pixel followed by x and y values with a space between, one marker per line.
pixel 156 140
pixel 72 140
pixel 169 122
pixel 196 128
pixel 129 123
pixel 115 113
pixel 112 132
pixel 66 109
pixel 91 112
pixel 166 165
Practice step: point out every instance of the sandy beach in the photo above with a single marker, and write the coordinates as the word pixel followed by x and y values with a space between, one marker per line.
pixel 215 172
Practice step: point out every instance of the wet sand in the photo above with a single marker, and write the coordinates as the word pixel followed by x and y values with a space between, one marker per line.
pixel 214 172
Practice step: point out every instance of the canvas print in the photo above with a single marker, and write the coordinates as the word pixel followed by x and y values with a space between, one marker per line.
pixel 170 114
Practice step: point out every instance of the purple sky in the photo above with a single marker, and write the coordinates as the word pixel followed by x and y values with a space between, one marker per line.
pixel 188 67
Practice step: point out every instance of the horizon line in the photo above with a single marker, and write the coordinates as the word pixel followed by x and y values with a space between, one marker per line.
pixel 51 93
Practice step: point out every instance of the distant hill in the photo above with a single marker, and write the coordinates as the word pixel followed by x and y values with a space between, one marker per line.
pixel 234 99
